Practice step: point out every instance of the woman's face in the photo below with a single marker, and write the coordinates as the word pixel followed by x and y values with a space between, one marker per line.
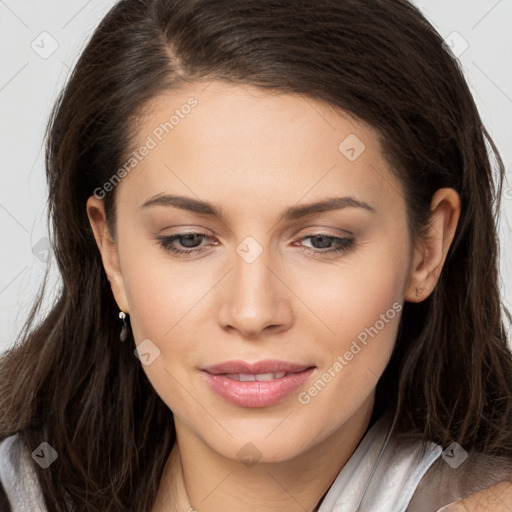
pixel 274 324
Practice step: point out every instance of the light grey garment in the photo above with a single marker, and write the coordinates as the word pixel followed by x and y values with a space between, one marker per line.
pixel 18 477
pixel 388 474
pixel 384 474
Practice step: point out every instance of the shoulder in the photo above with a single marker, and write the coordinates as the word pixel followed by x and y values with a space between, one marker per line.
pixel 478 480
pixel 497 498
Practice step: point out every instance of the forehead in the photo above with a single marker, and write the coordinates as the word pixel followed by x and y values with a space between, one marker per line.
pixel 240 145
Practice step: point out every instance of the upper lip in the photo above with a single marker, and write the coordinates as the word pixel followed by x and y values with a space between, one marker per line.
pixel 267 366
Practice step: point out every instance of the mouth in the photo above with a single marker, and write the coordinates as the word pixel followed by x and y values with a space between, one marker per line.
pixel 256 384
pixel 260 377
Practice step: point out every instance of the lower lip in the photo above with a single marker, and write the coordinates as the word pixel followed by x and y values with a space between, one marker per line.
pixel 255 393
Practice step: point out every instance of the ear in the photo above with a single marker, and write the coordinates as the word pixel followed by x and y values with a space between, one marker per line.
pixel 430 254
pixel 108 250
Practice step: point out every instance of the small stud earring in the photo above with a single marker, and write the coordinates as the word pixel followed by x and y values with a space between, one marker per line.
pixel 124 328
pixel 419 292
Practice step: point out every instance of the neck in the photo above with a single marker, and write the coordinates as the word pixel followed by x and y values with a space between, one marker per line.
pixel 198 478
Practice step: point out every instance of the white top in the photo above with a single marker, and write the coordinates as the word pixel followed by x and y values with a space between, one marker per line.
pixel 383 474
pixel 19 481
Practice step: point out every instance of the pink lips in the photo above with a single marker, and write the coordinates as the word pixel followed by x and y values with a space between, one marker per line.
pixel 284 379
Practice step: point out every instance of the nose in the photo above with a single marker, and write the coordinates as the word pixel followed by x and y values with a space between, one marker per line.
pixel 255 297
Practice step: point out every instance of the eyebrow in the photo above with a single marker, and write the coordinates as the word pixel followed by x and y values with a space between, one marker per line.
pixel 291 213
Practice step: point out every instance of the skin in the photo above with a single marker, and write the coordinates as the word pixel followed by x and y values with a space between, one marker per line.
pixel 253 154
pixel 497 498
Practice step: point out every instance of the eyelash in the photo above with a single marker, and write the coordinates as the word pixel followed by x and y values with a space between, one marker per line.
pixel 344 244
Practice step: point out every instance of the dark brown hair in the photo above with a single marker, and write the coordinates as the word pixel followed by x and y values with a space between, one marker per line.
pixel 70 382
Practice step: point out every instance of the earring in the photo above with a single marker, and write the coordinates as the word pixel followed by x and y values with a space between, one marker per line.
pixel 419 292
pixel 124 328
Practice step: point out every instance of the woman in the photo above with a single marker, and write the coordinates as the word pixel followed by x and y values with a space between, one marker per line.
pixel 289 207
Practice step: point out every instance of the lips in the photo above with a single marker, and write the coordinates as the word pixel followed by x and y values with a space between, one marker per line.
pixel 267 366
pixel 257 384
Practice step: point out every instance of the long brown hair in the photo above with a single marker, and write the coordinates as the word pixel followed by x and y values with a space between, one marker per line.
pixel 70 382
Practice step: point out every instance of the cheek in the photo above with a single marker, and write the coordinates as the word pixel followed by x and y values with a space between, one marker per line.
pixel 365 326
pixel 162 298
pixel 161 291
pixel 360 307
pixel 353 295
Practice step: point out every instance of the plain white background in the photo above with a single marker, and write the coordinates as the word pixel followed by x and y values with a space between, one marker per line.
pixel 39 44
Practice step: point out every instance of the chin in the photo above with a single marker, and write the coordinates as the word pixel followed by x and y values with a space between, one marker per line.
pixel 250 450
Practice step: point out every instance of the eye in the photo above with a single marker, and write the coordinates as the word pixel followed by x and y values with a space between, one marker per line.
pixel 190 243
pixel 324 241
